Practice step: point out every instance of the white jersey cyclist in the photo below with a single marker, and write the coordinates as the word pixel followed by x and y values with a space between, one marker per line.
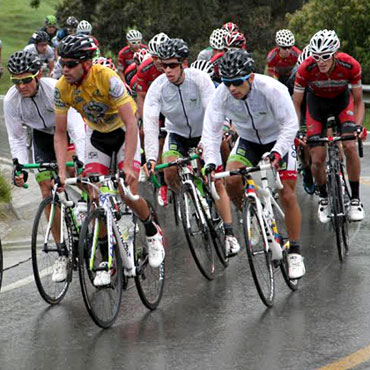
pixel 38 113
pixel 183 106
pixel 265 116
pixel 45 57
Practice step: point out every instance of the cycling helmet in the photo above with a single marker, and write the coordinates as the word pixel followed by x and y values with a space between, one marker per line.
pixel 236 63
pixel 40 36
pixel 304 55
pixel 84 27
pixel 72 22
pixel 24 61
pixel 230 27
pixel 80 47
pixel 204 65
pixel 139 55
pixel 173 48
pixel 50 20
pixel 106 62
pixel 324 41
pixel 216 40
pixel 284 38
pixel 134 35
pixel 234 40
pixel 156 41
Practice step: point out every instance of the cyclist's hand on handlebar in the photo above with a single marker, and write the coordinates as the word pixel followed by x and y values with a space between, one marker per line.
pixel 300 139
pixel 130 176
pixel 361 132
pixel 149 167
pixel 60 181
pixel 20 179
pixel 274 158
pixel 209 172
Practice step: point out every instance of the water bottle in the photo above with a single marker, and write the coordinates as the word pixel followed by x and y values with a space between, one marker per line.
pixel 127 228
pixel 273 240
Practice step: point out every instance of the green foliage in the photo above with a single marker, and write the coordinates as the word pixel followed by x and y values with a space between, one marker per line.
pixel 349 18
pixel 5 190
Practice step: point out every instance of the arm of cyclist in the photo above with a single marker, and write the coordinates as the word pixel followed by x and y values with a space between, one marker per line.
pixel 359 110
pixel 76 131
pixel 61 145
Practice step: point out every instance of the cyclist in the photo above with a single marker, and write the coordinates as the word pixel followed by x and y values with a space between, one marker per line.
pixel 42 49
pixel 326 75
pixel 70 29
pixel 50 27
pixel 126 55
pixel 99 95
pixel 85 28
pixel 181 94
pixel 230 27
pixel 263 114
pixel 216 42
pixel 131 71
pixel 282 59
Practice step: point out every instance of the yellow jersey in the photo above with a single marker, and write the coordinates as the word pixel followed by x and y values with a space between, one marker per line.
pixel 97 98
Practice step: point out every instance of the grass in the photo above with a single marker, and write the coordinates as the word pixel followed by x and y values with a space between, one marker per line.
pixel 367 119
pixel 17 23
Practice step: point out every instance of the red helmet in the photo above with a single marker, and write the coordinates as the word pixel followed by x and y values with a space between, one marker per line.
pixel 234 40
pixel 230 27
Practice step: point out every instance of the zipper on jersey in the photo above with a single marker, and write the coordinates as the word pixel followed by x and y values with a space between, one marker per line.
pixel 183 108
pixel 38 111
pixel 254 126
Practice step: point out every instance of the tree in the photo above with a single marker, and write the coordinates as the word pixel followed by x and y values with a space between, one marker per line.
pixel 350 20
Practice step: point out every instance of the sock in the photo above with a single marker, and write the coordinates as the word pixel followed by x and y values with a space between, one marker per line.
pixel 150 228
pixel 294 247
pixel 228 229
pixel 355 189
pixel 322 191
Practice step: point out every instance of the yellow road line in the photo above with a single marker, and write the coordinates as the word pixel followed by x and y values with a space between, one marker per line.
pixel 349 362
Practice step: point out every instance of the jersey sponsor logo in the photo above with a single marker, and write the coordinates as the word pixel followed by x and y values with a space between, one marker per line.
pixel 92 155
pixel 97 93
pixel 344 64
pixel 262 113
pixel 146 68
pixel 240 151
pixel 59 103
pixel 173 146
pixel 311 66
pixel 77 100
pixel 95 111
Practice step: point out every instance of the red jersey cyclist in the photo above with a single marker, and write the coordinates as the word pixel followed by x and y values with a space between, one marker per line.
pixel 282 59
pixel 326 75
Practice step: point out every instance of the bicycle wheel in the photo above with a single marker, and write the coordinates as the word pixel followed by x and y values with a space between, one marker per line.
pixel 259 255
pixel 103 302
pixel 173 199
pixel 283 237
pixel 197 234
pixel 45 251
pixel 1 264
pixel 149 281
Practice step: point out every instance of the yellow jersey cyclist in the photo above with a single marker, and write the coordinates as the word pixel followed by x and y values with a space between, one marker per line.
pixel 98 93
pixel 263 114
pixel 181 95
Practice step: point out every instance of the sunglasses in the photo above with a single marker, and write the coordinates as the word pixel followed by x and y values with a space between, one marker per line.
pixel 135 42
pixel 236 81
pixel 23 80
pixel 70 64
pixel 323 57
pixel 285 47
pixel 170 65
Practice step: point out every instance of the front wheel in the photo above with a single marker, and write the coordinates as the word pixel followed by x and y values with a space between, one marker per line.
pixel 102 302
pixel 197 232
pixel 259 255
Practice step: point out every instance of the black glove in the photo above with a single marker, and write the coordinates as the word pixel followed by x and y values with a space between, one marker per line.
pixel 18 173
pixel 211 167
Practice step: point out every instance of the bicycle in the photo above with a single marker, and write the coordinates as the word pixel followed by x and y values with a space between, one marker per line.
pixel 337 185
pixel 55 234
pixel 199 217
pixel 265 235
pixel 127 254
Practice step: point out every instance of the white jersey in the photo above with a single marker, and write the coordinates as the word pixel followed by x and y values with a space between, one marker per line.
pixel 205 54
pixel 45 57
pixel 37 113
pixel 265 116
pixel 183 106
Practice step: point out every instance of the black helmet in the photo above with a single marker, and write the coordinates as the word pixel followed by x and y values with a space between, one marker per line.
pixel 173 48
pixel 236 63
pixel 24 61
pixel 79 46
pixel 72 22
pixel 40 36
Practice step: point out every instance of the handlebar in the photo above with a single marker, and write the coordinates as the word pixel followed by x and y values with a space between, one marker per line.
pixel 177 162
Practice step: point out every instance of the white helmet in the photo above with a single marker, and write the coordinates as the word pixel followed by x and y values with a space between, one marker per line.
pixel 84 27
pixel 284 38
pixel 324 41
pixel 155 42
pixel 134 35
pixel 306 52
pixel 216 40
pixel 204 65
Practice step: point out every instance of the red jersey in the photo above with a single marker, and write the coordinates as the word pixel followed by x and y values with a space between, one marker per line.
pixel 126 56
pixel 146 74
pixel 133 85
pixel 279 66
pixel 215 60
pixel 346 70
pixel 129 72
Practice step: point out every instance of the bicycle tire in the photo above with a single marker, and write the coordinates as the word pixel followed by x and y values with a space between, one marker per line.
pixel 175 207
pixel 259 255
pixel 200 248
pixel 149 281
pixel 102 303
pixel 44 256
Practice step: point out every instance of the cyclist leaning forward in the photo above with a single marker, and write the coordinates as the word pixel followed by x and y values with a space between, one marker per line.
pixel 99 95
pixel 181 95
pixel 326 75
pixel 263 114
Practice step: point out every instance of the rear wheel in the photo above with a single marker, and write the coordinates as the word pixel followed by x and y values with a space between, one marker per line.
pixel 259 255
pixel 102 302
pixel 197 233
pixel 45 251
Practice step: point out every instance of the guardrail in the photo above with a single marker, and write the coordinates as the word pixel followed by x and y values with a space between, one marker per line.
pixel 366 92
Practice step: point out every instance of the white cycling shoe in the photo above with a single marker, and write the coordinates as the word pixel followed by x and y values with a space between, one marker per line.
pixel 232 245
pixel 296 266
pixel 155 248
pixel 102 277
pixel 60 270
